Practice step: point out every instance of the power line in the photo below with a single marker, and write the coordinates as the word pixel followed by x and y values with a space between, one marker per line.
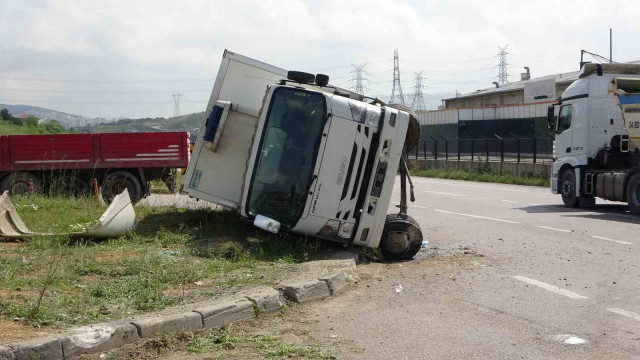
pixel 358 71
pixel 176 103
pixel 418 97
pixel 503 76
pixel 397 85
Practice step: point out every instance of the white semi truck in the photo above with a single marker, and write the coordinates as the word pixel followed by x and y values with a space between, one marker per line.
pixel 292 153
pixel 597 141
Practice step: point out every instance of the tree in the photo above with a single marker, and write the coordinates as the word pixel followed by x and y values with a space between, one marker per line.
pixel 5 114
pixel 54 127
pixel 30 121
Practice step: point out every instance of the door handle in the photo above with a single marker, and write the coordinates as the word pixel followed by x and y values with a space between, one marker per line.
pixel 568 150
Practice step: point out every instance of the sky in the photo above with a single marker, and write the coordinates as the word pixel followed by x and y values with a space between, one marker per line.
pixel 117 58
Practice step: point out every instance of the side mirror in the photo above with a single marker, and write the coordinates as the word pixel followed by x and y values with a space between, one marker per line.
pixel 551 121
pixel 267 224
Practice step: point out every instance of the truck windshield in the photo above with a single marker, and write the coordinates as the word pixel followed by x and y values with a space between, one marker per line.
pixel 286 155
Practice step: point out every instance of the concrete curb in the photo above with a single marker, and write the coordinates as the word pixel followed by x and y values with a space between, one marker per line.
pixel 247 305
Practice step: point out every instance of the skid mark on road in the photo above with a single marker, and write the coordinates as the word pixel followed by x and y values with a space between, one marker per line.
pixel 554 229
pixel 626 313
pixel 612 240
pixel 549 287
pixel 476 216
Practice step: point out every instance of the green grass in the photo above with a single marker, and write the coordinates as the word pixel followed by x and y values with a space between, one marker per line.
pixel 468 175
pixel 155 266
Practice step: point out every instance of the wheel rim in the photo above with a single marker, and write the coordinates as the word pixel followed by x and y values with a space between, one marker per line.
pixel 567 188
pixel 396 242
pixel 19 188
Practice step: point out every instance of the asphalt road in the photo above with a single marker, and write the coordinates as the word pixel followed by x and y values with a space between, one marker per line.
pixel 510 274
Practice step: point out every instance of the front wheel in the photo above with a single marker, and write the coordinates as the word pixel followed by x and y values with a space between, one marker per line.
pixel 115 183
pixel 401 237
pixel 568 188
pixel 633 193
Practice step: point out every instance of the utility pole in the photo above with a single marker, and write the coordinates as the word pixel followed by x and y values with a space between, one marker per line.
pixel 358 71
pixel 503 75
pixel 418 96
pixel 176 103
pixel 396 92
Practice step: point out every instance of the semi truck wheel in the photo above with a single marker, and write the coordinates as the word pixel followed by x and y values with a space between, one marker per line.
pixel 633 193
pixel 115 183
pixel 568 188
pixel 401 237
pixel 18 183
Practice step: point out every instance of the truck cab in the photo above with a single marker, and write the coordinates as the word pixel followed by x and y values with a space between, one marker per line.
pixel 593 153
pixel 292 153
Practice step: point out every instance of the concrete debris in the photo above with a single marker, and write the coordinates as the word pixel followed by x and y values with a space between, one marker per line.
pixel 99 337
pixel 266 300
pixel 220 314
pixel 6 353
pixel 147 327
pixel 336 282
pixel 38 349
pixel 304 292
pixel 399 289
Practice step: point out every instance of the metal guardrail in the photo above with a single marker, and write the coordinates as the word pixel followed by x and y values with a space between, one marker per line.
pixel 526 150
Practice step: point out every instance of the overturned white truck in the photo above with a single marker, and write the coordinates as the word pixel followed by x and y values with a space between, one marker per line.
pixel 292 153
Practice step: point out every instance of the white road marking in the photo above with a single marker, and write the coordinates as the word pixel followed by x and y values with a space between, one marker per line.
pixel 509 201
pixel 418 206
pixel 505 188
pixel 623 312
pixel 443 193
pixel 612 240
pixel 476 216
pixel 549 287
pixel 554 229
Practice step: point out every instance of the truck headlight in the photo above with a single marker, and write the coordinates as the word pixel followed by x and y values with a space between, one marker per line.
pixel 330 229
pixel 345 230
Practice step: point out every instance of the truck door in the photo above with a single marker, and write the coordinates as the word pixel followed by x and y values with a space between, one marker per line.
pixel 564 132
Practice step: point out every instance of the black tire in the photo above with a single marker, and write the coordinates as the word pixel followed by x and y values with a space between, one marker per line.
pixel 17 183
pixel 568 189
pixel 115 183
pixel 68 186
pixel 401 237
pixel 633 193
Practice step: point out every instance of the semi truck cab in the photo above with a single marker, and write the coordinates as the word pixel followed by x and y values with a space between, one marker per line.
pixel 594 155
pixel 292 153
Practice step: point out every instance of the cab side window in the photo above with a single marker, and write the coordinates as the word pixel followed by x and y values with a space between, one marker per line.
pixel 564 118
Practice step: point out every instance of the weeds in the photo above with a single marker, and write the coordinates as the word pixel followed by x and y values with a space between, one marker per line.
pixel 149 269
pixel 483 175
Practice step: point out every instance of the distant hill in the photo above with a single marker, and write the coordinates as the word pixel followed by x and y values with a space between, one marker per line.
pixel 184 122
pixel 67 120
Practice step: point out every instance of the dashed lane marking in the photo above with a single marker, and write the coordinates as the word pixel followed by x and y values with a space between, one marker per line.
pixel 550 287
pixel 509 201
pixel 612 240
pixel 554 229
pixel 443 193
pixel 476 216
pixel 623 312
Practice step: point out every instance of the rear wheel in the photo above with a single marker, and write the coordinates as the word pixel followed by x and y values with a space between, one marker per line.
pixel 17 183
pixel 115 183
pixel 401 237
pixel 568 188
pixel 633 193
pixel 68 186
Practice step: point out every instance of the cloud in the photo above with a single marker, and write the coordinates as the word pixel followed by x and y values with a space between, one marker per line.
pixel 454 42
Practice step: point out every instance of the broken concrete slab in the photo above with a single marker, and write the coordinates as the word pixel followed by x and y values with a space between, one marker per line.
pixel 336 282
pixel 98 338
pixel 6 353
pixel 306 291
pixel 216 315
pixel 147 327
pixel 39 349
pixel 266 300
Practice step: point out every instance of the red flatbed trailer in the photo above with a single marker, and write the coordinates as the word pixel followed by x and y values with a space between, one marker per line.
pixel 68 162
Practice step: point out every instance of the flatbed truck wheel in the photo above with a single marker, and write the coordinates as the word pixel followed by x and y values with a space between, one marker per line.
pixel 115 183
pixel 17 183
pixel 568 188
pixel 401 237
pixel 633 193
